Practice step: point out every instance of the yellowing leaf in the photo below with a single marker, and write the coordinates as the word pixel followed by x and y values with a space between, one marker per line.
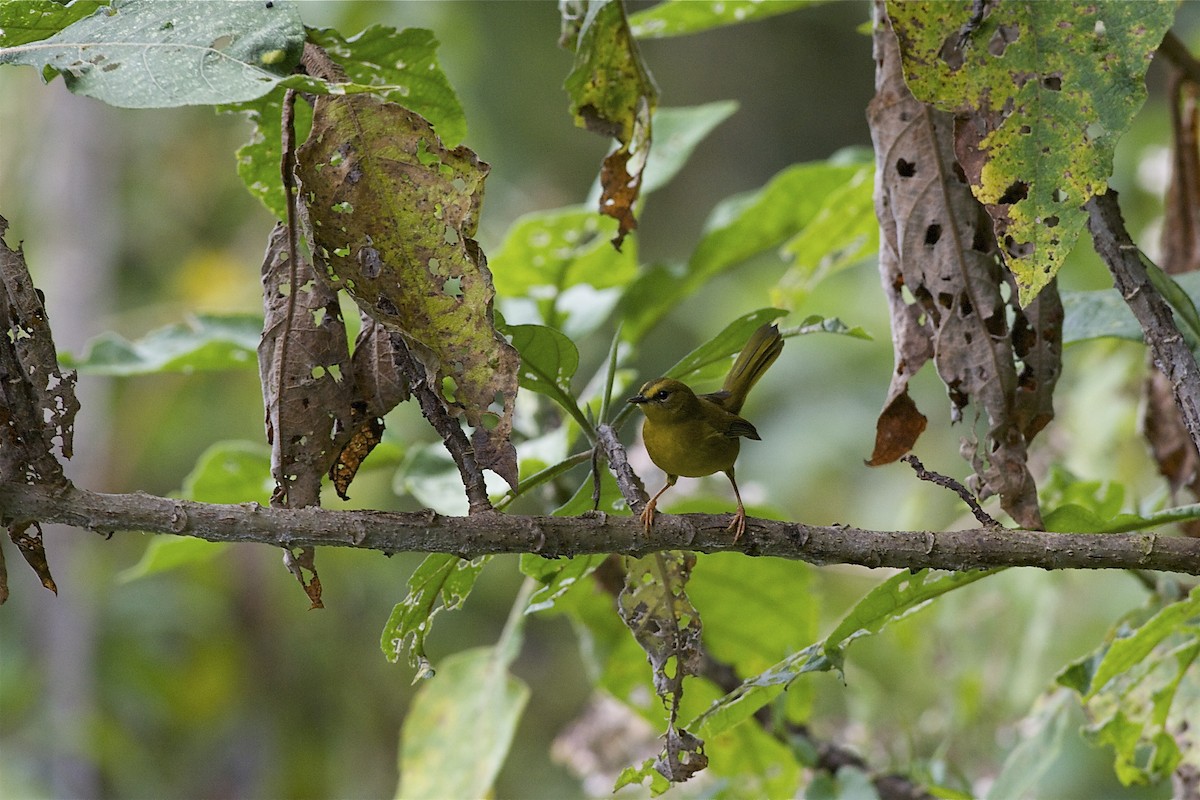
pixel 1043 91
pixel 393 213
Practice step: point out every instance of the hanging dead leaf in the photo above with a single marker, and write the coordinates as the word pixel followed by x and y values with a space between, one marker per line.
pixel 950 299
pixel 393 213
pixel 613 94
pixel 37 399
pixel 31 546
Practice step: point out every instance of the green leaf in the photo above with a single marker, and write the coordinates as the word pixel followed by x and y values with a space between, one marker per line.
pixel 460 727
pixel 443 581
pixel 34 20
pixel 842 234
pixel 403 65
pixel 1051 87
pixel 1127 652
pixel 1042 735
pixel 739 228
pixel 205 342
pixel 1141 688
pixel 556 577
pixel 611 499
pixel 548 362
pixel 680 17
pixel 896 598
pixel 710 358
pixel 227 472
pixel 1183 306
pixel 160 53
pixel 372 59
pixel 677 131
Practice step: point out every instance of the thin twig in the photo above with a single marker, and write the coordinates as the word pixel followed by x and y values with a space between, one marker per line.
pixel 947 482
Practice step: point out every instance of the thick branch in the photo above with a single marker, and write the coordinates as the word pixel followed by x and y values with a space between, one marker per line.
pixel 491 532
pixel 1167 346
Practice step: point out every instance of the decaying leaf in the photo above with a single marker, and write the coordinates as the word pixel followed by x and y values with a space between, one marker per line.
pixel 304 365
pixel 27 536
pixel 37 399
pixel 613 94
pixel 393 213
pixel 1043 92
pixel 1170 443
pixel 947 294
pixel 655 607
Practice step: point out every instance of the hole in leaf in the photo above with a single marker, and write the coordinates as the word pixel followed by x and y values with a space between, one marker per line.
pixel 1052 222
pixel 453 287
pixel 1002 38
pixel 1016 192
pixel 343 207
pixel 932 234
pixel 385 305
pixel 905 169
pixel 1053 81
pixel 449 389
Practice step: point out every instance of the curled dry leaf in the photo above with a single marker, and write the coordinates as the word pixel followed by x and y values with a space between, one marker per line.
pixel 393 213
pixel 950 299
pixel 37 399
pixel 613 94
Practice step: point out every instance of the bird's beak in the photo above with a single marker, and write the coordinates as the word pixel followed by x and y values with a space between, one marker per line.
pixel 637 399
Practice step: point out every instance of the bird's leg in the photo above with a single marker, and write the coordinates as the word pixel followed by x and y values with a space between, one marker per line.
pixel 738 524
pixel 648 512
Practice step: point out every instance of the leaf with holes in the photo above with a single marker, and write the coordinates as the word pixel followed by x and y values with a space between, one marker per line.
pixel 393 213
pixel 613 94
pixel 1043 91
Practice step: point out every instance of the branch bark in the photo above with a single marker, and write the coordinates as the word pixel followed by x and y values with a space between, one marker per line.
pixel 1167 346
pixel 492 532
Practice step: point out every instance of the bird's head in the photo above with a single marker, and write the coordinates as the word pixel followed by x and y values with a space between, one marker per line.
pixel 665 399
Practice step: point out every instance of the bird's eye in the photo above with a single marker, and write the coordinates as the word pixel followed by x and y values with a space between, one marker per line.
pixel 662 394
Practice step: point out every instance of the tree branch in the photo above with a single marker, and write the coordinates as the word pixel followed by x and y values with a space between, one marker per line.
pixel 1167 346
pixel 491 532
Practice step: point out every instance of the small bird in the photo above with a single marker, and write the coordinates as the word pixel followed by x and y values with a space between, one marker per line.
pixel 696 435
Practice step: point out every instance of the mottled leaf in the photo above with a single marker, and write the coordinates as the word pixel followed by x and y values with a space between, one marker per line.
pixel 158 53
pixel 1140 689
pixel 1043 92
pixel 392 213
pixel 949 301
pixel 613 94
pixel 655 607
pixel 443 581
pixel 401 65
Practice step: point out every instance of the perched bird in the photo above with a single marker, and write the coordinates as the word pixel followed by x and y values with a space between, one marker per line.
pixel 696 435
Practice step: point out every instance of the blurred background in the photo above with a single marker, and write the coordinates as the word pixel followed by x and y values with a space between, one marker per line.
pixel 215 680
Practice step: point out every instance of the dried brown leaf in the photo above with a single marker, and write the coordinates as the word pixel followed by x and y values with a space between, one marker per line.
pixel 950 298
pixel 31 546
pixel 37 399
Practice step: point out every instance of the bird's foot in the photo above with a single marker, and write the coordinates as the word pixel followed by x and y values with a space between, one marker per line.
pixel 647 516
pixel 738 525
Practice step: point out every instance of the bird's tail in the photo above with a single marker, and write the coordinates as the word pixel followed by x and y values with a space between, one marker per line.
pixel 760 352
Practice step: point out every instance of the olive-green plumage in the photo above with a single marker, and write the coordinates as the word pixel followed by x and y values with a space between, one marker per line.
pixel 694 435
